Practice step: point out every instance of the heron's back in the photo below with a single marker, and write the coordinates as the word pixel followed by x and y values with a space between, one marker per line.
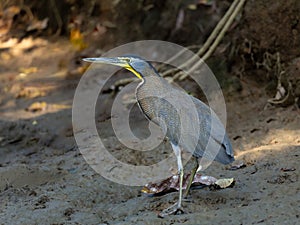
pixel 156 98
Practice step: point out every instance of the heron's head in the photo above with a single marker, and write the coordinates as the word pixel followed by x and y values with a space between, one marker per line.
pixel 136 65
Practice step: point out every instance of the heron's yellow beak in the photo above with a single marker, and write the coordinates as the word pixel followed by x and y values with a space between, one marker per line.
pixel 118 61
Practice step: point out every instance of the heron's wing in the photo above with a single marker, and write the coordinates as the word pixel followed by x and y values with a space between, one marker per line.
pixel 211 125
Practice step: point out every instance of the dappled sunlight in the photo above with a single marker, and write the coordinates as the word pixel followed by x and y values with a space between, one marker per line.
pixel 34 58
pixel 11 42
pixel 16 49
pixel 266 149
pixel 274 141
pixel 34 79
pixel 42 108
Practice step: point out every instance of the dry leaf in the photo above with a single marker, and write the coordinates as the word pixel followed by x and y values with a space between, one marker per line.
pixel 206 180
pixel 77 39
pixel 172 184
pixel 237 165
pixel 60 106
pixel 38 25
pixel 28 70
pixel 224 183
pixel 37 106
pixel 30 92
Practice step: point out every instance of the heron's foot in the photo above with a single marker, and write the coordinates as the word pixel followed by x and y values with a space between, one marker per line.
pixel 187 199
pixel 173 209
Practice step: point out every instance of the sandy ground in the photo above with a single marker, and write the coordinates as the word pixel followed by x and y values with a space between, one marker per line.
pixel 45 180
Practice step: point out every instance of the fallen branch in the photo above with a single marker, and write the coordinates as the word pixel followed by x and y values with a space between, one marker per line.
pixel 208 41
pixel 218 38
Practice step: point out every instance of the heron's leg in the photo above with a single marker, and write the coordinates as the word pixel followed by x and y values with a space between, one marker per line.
pixel 177 152
pixel 180 187
pixel 177 206
pixel 194 170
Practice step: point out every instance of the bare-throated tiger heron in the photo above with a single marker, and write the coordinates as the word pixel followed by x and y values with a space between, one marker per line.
pixel 150 96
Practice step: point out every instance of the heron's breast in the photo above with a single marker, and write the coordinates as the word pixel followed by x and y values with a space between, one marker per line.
pixel 161 112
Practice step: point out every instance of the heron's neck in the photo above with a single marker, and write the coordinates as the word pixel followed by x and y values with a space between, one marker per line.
pixel 149 72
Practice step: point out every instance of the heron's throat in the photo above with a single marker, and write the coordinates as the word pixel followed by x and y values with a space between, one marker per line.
pixel 137 74
pixel 143 71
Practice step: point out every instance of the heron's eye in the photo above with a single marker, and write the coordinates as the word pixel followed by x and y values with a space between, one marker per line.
pixel 127 60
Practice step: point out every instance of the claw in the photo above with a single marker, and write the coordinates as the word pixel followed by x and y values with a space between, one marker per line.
pixel 173 209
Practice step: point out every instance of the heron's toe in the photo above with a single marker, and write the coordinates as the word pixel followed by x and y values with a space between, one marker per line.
pixel 173 209
pixel 187 199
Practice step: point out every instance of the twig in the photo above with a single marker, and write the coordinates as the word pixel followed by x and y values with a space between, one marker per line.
pixel 217 40
pixel 28 12
pixel 208 41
